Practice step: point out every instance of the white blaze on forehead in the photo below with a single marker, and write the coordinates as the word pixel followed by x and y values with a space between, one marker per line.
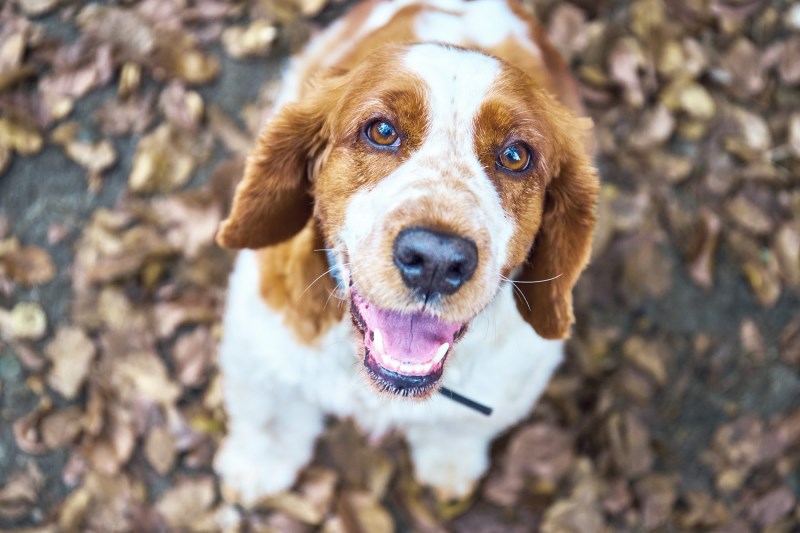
pixel 456 83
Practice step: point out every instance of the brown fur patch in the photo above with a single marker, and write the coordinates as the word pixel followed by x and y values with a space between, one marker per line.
pixel 553 201
pixel 293 279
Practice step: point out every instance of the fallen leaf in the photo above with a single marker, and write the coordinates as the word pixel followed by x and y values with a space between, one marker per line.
pixel 540 451
pixel 703 248
pixel 773 506
pixel 165 160
pixel 252 40
pixel 182 108
pixel 360 512
pixel 26 321
pixel 187 501
pixel 658 494
pixel 194 353
pixel 159 449
pixel 580 511
pixel 61 428
pixel 629 444
pixel 143 377
pixel 71 352
pixel 20 136
pixel 20 491
pixel 790 343
pixel 29 266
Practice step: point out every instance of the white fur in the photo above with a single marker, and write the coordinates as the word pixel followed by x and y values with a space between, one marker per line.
pixel 277 392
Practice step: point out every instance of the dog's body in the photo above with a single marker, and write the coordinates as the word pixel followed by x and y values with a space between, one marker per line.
pixel 289 354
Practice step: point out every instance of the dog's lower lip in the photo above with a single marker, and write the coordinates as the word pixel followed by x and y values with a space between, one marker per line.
pixel 403 377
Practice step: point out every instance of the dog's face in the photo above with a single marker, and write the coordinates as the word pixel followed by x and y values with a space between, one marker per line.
pixel 434 173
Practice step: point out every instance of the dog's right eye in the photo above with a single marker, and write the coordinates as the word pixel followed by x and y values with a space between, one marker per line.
pixel 382 133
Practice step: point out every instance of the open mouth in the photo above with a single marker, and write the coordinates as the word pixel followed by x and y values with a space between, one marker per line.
pixel 404 353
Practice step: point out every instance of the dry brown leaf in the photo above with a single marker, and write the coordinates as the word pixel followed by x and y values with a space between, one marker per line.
pixel 20 491
pixel 5 158
pixel 654 128
pixel 787 250
pixel 252 40
pixel 742 63
pixel 26 321
pixel 648 356
pixel 73 511
pixel 703 248
pixel 540 451
pixel 71 352
pixel 703 511
pixel 359 511
pixel 134 114
pixel 186 502
pixel 580 512
pixel 625 61
pixel 182 108
pixel 61 428
pixel 20 136
pixel 143 377
pixel 165 160
pixel 29 266
pixel 193 354
pixel 773 506
pixel 748 215
pixel 124 28
pixel 752 137
pixel 94 157
pixel 789 66
pixel 658 494
pixel 228 132
pixel 630 444
pixel 159 449
pixel 189 220
pixel 790 343
pixel 567 30
pixel 190 309
pixel 27 432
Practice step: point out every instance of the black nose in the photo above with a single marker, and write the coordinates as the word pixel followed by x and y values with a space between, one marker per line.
pixel 434 262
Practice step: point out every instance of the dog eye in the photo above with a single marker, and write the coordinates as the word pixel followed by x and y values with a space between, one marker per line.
pixel 382 133
pixel 515 157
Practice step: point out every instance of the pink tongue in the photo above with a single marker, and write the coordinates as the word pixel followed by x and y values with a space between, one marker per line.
pixel 407 337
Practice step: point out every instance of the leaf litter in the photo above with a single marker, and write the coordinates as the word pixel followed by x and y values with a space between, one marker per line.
pixel 651 425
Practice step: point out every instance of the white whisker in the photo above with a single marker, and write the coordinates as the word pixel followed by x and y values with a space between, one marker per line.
pixel 534 281
pixel 331 269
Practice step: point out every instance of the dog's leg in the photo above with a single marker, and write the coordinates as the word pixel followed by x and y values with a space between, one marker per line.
pixel 449 459
pixel 271 434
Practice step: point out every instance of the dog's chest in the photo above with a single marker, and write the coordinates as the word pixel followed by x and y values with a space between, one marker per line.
pixel 500 362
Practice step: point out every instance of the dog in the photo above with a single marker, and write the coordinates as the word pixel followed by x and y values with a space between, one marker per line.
pixel 413 218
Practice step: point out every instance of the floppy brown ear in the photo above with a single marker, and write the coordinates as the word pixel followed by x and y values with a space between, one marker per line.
pixel 562 247
pixel 273 201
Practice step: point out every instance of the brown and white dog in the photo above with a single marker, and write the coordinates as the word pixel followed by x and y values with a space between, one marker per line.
pixel 422 154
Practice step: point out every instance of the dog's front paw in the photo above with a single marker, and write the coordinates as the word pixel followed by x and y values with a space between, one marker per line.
pixel 453 479
pixel 251 473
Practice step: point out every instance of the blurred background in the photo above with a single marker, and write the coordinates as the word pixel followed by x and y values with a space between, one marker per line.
pixel 678 408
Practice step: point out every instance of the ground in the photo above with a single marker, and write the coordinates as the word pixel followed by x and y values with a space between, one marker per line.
pixel 678 408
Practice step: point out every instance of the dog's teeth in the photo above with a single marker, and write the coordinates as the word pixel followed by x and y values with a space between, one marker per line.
pixel 441 352
pixel 378 340
pixel 425 368
pixel 390 363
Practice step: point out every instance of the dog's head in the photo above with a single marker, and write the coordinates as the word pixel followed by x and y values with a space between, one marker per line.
pixel 435 174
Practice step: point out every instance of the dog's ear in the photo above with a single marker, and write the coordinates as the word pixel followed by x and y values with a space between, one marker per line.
pixel 563 245
pixel 273 200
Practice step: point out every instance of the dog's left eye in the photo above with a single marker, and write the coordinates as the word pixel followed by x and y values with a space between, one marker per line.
pixel 382 133
pixel 514 157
